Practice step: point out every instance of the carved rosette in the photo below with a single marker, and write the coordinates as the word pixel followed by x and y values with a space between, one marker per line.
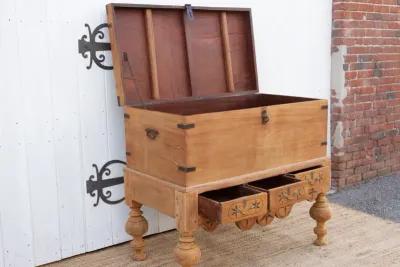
pixel 314 178
pixel 291 195
pixel 282 200
pixel 245 209
pixel 316 182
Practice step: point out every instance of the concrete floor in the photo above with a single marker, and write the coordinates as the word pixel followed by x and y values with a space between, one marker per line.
pixel 364 231
pixel 379 197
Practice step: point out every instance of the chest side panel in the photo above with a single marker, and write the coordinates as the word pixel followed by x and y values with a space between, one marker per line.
pixel 154 144
pixel 232 143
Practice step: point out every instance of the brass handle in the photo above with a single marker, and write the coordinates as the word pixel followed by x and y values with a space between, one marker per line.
pixel 264 116
pixel 151 133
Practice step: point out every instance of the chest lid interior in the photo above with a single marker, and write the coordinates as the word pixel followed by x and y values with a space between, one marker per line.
pixel 165 53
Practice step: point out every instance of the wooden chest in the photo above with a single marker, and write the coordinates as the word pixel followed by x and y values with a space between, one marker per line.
pixel 192 108
pixel 203 145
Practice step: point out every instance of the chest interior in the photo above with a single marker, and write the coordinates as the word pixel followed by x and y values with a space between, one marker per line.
pixel 220 104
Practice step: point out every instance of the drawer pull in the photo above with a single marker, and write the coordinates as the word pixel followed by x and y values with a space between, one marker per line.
pixel 151 133
pixel 264 116
pixel 186 169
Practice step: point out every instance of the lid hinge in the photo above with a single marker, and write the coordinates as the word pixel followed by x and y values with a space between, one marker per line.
pixel 185 126
pixel 189 11
pixel 186 169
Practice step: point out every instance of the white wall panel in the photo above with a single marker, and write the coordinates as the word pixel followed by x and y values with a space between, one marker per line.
pixel 1 244
pixel 15 210
pixel 94 150
pixel 67 138
pixel 292 40
pixel 37 105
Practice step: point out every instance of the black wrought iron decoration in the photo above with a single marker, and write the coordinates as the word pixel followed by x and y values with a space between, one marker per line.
pixel 88 44
pixel 96 183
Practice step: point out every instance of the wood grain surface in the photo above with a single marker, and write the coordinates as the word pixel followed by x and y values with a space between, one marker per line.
pixel 227 143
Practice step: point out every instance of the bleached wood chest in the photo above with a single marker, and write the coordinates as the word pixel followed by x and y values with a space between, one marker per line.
pixel 202 144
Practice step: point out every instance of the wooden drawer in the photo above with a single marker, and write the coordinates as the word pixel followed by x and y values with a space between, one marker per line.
pixel 232 204
pixel 283 192
pixel 317 180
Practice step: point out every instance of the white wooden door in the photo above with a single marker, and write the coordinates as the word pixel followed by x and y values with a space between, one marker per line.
pixel 58 118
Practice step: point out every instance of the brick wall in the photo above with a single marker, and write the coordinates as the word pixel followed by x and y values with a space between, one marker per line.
pixel 365 90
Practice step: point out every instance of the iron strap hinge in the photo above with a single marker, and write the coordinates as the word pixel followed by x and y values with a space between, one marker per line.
pixel 189 11
pixel 185 126
pixel 186 169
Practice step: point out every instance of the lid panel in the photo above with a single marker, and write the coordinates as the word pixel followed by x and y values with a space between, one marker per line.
pixel 172 61
pixel 134 54
pixel 159 53
pixel 207 71
pixel 241 45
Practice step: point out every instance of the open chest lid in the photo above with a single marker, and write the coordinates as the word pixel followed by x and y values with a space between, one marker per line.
pixel 165 53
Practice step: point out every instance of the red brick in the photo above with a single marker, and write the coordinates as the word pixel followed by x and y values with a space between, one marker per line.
pixel 359 155
pixel 396 168
pixel 377 165
pixel 369 174
pixel 384 171
pixel 351 180
pixel 339 166
pixel 361 169
pixel 393 117
pixel 384 141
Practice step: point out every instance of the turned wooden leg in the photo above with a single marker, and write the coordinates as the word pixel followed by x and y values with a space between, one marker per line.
pixel 321 212
pixel 187 253
pixel 137 226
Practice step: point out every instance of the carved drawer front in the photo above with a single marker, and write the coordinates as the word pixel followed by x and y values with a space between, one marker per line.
pixel 232 204
pixel 317 180
pixel 283 192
